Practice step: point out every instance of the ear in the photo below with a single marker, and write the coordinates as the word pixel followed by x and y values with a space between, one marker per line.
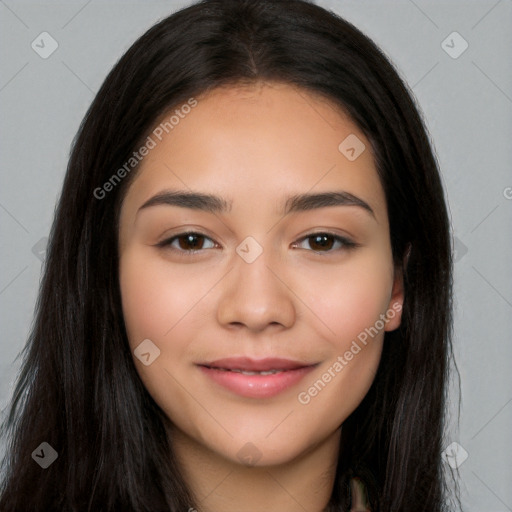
pixel 396 303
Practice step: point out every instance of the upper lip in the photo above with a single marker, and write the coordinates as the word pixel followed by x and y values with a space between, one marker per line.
pixel 255 365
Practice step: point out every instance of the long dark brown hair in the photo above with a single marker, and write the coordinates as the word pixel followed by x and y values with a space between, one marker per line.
pixel 78 389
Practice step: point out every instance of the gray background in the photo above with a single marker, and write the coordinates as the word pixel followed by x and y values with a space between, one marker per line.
pixel 467 104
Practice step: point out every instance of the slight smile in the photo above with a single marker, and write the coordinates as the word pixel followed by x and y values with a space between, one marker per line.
pixel 263 378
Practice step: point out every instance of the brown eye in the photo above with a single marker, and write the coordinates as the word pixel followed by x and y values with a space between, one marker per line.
pixel 325 242
pixel 321 242
pixel 190 241
pixel 187 242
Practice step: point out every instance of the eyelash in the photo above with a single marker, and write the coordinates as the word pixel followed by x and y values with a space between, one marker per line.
pixel 346 243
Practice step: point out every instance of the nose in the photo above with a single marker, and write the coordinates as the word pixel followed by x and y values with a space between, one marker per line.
pixel 256 296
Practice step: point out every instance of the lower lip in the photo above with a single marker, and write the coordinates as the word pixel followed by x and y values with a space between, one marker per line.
pixel 257 386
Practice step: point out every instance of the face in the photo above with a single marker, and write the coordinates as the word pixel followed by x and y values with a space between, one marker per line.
pixel 257 317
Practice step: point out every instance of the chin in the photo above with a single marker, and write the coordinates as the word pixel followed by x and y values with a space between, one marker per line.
pixel 262 451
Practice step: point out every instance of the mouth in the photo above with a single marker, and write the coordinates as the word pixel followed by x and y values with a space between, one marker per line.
pixel 251 378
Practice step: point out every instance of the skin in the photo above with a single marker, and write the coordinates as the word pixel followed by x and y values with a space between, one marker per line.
pixel 255 146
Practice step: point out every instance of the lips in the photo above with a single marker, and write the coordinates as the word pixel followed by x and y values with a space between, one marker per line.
pixel 246 364
pixel 252 378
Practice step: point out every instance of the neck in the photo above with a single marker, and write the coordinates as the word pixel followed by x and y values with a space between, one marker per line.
pixel 221 484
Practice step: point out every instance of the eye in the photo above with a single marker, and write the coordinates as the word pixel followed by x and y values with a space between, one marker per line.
pixel 190 242
pixel 324 242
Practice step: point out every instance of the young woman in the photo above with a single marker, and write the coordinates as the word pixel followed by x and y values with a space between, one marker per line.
pixel 246 301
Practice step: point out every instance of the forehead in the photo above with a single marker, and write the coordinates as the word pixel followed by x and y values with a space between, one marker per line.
pixel 255 144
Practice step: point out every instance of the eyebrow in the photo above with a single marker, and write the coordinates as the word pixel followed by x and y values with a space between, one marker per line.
pixel 295 203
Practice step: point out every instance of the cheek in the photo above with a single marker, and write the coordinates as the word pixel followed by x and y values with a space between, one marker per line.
pixel 349 298
pixel 158 304
pixel 349 301
pixel 155 298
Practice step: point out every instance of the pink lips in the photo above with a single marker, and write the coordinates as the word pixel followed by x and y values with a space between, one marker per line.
pixel 266 377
